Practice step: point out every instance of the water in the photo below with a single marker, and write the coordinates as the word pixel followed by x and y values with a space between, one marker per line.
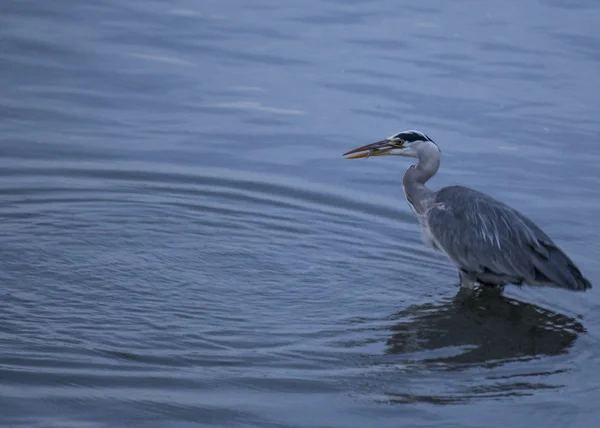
pixel 182 243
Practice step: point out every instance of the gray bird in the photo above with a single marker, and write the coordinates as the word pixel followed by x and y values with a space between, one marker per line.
pixel 491 243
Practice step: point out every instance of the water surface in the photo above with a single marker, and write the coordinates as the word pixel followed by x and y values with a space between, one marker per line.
pixel 182 243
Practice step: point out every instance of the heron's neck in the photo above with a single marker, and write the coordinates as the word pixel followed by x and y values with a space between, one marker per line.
pixel 415 177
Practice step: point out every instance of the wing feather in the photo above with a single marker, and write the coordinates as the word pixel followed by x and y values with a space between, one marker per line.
pixel 496 243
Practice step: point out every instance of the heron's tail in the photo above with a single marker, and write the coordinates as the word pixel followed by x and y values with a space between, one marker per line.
pixel 557 269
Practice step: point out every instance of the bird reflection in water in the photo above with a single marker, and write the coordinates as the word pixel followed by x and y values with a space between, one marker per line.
pixel 490 328
pixel 443 348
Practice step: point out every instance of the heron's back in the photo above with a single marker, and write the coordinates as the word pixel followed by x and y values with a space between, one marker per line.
pixel 497 244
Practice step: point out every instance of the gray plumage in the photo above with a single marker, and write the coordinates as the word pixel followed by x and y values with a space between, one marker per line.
pixel 490 242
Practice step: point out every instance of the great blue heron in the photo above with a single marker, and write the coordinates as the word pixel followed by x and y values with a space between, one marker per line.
pixel 489 242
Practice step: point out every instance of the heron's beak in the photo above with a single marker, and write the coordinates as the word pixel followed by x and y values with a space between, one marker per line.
pixel 379 148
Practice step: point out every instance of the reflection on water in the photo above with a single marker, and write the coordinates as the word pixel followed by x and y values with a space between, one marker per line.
pixel 489 329
pixel 485 335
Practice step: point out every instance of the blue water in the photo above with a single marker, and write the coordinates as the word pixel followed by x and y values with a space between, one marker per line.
pixel 182 243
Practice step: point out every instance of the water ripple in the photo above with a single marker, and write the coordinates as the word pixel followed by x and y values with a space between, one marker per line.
pixel 183 245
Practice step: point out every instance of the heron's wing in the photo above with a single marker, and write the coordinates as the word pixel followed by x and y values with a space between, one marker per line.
pixel 489 239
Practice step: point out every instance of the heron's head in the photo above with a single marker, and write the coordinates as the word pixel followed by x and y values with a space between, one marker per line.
pixel 405 143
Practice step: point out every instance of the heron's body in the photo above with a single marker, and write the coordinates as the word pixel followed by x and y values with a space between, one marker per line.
pixel 489 242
